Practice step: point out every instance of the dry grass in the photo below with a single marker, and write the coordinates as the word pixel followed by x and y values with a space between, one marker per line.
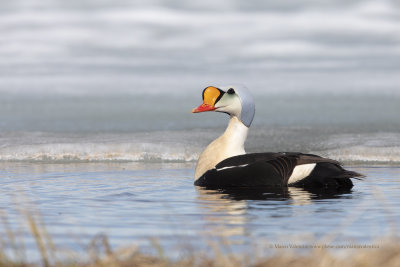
pixel 388 255
pixel 100 253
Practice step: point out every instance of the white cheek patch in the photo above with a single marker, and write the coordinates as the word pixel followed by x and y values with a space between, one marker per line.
pixel 229 104
pixel 301 172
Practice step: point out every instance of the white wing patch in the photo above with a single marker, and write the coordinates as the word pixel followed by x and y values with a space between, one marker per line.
pixel 301 172
pixel 230 167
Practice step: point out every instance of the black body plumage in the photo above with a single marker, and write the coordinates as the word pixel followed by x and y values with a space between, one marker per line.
pixel 274 170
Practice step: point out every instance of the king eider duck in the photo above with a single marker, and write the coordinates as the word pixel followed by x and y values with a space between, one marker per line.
pixel 224 163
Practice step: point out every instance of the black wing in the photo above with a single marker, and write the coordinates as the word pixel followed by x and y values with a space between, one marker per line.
pixel 274 169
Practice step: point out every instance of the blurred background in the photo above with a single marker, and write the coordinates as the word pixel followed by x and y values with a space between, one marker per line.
pixel 97 65
pixel 154 46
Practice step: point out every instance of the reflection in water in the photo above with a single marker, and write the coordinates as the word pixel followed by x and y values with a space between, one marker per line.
pixel 225 217
pixel 226 209
pixel 273 193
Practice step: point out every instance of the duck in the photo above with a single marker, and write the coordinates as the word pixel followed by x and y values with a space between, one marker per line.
pixel 225 164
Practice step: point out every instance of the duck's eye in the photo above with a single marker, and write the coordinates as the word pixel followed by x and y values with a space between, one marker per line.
pixel 231 91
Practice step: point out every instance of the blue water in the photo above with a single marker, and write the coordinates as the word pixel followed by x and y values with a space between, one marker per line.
pixel 137 204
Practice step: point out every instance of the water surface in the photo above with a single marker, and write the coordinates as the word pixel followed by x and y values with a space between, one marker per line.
pixel 137 203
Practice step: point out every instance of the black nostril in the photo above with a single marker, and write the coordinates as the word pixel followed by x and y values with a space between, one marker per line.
pixel 231 91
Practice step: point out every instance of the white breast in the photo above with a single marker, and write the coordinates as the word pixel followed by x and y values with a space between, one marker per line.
pixel 230 144
pixel 301 172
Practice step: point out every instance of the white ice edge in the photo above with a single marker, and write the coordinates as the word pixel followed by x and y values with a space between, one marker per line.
pixel 149 152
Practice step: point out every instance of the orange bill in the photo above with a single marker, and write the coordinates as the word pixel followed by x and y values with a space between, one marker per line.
pixel 210 96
